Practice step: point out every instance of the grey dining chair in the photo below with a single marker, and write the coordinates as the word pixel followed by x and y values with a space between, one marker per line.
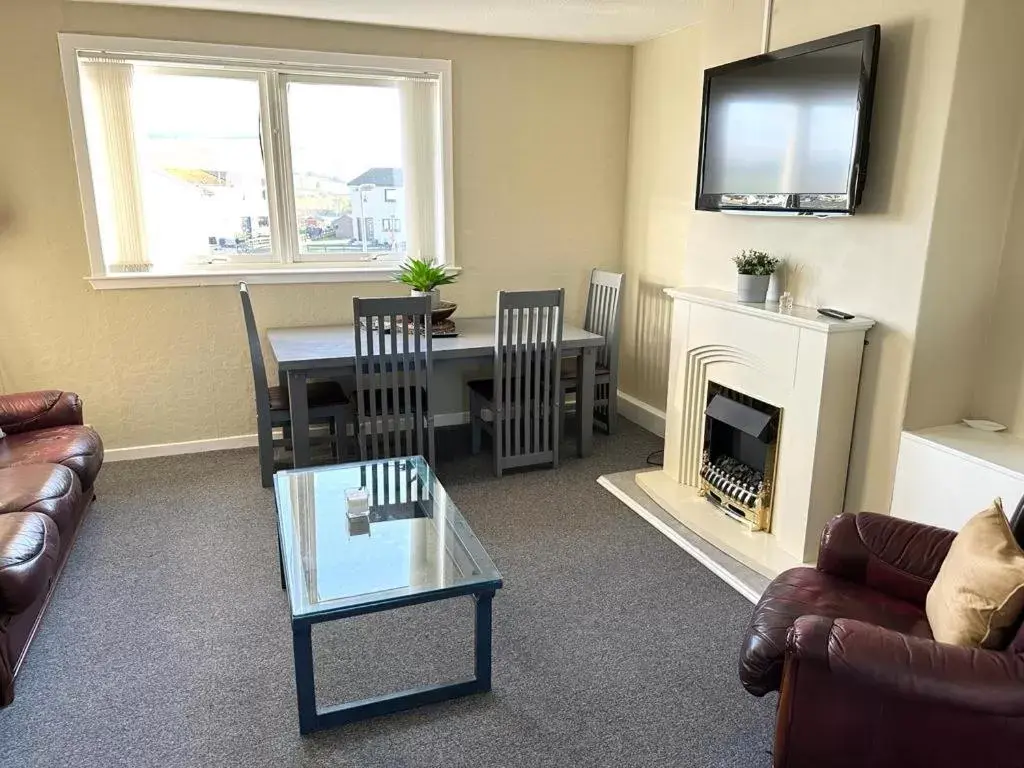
pixel 327 402
pixel 523 396
pixel 604 301
pixel 394 368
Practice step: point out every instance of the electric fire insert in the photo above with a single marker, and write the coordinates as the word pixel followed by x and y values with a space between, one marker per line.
pixel 737 471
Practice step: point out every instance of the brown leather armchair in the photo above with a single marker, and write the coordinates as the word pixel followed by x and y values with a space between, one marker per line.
pixel 861 681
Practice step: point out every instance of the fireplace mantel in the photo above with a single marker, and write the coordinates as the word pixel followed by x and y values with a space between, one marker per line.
pixel 802 362
pixel 803 317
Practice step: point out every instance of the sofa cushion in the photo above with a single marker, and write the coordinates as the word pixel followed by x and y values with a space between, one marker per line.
pixel 29 543
pixel 51 489
pixel 979 592
pixel 78 448
pixel 810 592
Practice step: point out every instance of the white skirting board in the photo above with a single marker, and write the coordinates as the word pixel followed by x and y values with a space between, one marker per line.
pixel 637 411
pixel 642 414
pixel 175 449
pixel 229 443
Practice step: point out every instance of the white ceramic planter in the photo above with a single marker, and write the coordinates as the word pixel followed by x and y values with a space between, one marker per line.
pixel 435 296
pixel 752 289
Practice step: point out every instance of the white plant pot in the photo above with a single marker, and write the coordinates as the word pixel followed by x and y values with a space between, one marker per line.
pixel 752 289
pixel 435 296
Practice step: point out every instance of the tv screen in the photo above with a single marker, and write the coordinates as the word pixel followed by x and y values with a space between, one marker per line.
pixel 788 131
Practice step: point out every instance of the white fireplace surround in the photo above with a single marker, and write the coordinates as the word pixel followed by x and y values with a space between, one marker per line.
pixel 807 365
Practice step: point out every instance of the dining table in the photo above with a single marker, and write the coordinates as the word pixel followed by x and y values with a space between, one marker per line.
pixel 329 352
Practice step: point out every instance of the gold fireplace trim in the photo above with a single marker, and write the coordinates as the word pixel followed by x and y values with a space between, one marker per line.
pixel 756 516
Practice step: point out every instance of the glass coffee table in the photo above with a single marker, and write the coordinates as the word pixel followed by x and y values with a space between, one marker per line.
pixel 413 546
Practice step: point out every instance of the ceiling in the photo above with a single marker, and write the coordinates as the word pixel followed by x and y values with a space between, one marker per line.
pixel 593 21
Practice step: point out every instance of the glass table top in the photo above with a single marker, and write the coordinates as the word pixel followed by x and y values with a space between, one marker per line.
pixel 414 539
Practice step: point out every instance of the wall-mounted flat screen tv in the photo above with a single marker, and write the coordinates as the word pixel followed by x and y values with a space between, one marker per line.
pixel 787 131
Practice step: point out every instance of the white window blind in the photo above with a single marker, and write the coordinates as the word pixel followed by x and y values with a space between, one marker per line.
pixel 202 159
pixel 108 103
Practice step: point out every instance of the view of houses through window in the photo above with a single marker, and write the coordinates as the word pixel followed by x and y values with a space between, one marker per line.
pixel 202 164
pixel 203 179
pixel 346 149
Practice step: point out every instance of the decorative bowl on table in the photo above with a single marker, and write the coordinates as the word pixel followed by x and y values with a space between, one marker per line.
pixel 443 311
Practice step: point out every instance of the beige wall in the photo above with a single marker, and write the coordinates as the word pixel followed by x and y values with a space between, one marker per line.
pixel 664 133
pixel 979 168
pixel 540 157
pixel 872 264
pixel 999 393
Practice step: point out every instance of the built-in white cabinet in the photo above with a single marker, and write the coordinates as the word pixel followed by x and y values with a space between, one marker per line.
pixel 946 474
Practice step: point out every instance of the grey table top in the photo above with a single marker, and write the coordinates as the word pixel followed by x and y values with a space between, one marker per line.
pixel 333 346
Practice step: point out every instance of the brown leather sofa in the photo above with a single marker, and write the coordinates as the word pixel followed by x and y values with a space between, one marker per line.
pixel 48 464
pixel 861 681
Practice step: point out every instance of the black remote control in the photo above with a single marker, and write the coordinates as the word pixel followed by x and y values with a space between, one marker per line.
pixel 835 313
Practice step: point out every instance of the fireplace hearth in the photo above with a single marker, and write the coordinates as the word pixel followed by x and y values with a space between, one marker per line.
pixel 738 461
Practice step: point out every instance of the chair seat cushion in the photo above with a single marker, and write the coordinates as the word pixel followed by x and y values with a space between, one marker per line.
pixel 570 369
pixel 76 447
pixel 384 401
pixel 484 388
pixel 51 489
pixel 319 393
pixel 810 592
pixel 29 543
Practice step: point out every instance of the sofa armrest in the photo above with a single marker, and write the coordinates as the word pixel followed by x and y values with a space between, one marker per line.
pixel 26 411
pixel 915 668
pixel 893 556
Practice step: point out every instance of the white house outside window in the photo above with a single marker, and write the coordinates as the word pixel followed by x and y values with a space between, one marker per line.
pixel 202 160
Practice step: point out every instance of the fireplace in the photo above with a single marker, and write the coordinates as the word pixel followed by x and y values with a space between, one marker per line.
pixel 737 471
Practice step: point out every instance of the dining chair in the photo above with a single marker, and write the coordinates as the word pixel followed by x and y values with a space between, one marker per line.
pixel 604 301
pixel 327 402
pixel 523 394
pixel 394 368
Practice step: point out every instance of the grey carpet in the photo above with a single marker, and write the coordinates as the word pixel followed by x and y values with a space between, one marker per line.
pixel 167 642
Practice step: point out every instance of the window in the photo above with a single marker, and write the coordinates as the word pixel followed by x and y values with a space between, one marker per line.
pixel 199 160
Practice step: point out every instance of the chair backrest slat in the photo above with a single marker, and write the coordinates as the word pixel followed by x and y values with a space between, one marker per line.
pixel 422 325
pixel 396 373
pixel 604 303
pixel 259 369
pixel 392 375
pixel 551 383
pixel 407 392
pixel 527 370
pixel 510 379
pixel 529 350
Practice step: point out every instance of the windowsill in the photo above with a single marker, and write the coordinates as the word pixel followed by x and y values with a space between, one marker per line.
pixel 255 276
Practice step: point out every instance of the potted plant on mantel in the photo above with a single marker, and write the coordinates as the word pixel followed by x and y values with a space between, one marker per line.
pixel 755 269
pixel 424 278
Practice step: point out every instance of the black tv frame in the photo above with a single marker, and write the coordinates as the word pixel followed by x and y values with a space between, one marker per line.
pixel 871 37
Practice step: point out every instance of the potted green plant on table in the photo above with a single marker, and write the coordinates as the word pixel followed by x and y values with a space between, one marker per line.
pixel 755 269
pixel 424 278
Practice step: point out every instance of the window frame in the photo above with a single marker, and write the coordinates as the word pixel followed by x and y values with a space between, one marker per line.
pixel 274 67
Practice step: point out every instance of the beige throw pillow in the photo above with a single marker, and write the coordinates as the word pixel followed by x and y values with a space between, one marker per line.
pixel 979 592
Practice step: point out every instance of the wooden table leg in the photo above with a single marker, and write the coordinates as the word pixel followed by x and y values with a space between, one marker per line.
pixel 298 404
pixel 585 401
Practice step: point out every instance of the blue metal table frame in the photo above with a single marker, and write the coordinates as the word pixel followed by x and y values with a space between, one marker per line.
pixel 313 718
pixel 406 488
